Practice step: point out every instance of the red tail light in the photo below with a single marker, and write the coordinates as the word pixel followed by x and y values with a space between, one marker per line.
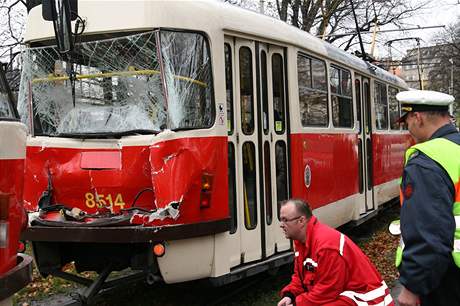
pixel 206 188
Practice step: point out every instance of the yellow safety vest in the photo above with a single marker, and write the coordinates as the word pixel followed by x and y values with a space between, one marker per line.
pixel 447 154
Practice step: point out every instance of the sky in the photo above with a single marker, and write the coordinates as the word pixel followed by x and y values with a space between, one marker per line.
pixel 441 12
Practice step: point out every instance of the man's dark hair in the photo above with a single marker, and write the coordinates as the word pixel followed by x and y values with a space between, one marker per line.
pixel 301 206
pixel 442 114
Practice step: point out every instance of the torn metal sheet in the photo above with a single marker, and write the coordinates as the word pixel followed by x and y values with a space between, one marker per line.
pixel 172 211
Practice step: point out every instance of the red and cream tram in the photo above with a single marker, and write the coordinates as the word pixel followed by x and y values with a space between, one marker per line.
pixel 190 122
pixel 15 268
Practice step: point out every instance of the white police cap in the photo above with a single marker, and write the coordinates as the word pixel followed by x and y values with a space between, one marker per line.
pixel 424 97
pixel 422 101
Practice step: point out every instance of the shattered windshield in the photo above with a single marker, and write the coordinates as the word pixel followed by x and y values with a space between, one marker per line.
pixel 5 110
pixel 144 82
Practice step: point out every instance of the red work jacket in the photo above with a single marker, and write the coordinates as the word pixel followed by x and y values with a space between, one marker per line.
pixel 330 268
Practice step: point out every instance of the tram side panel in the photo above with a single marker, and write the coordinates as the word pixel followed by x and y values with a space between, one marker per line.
pixel 388 162
pixel 15 269
pixel 324 171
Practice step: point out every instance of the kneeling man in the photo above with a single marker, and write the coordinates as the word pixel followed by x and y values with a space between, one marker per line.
pixel 329 269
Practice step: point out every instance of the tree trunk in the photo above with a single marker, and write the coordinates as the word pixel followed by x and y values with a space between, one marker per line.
pixel 309 12
pixel 295 13
pixel 282 8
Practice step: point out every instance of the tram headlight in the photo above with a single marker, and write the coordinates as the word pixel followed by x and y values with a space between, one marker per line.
pixel 159 249
pixel 3 234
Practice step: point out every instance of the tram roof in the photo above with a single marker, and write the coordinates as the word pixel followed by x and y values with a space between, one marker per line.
pixel 209 16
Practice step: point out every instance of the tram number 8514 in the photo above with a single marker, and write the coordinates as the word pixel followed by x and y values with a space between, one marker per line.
pixel 101 200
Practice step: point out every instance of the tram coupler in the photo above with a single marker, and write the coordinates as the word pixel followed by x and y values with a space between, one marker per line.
pixel 91 291
pixel 101 284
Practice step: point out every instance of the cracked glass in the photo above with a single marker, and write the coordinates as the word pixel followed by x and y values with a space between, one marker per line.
pixel 141 83
pixel 5 108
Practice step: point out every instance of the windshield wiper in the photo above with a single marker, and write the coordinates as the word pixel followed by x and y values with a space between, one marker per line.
pixel 107 134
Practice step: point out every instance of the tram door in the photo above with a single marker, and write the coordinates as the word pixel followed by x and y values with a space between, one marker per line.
pixel 363 106
pixel 243 140
pixel 256 113
pixel 273 143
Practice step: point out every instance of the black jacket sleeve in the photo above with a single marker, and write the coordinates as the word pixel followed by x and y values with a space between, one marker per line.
pixel 427 225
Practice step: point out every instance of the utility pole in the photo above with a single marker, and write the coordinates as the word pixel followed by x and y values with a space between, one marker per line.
pixel 261 6
pixel 419 67
pixel 374 36
pixel 419 64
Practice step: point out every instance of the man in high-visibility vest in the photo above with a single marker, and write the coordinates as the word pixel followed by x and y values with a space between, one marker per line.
pixel 428 257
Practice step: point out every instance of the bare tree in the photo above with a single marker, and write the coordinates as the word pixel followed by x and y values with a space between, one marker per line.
pixel 12 23
pixel 445 75
pixel 333 19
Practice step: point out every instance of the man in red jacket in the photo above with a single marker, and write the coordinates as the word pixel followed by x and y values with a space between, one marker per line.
pixel 329 269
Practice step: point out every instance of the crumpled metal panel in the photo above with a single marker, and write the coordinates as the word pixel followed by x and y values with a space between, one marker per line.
pixel 77 187
pixel 163 179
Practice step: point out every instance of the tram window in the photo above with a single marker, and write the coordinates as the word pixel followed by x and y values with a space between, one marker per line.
pixel 381 106
pixel 128 89
pixel 367 107
pixel 229 87
pixel 268 183
pixel 263 67
pixel 360 167
pixel 318 69
pixel 393 107
pixel 358 103
pixel 278 93
pixel 281 174
pixel 342 107
pixel 232 188
pixel 5 106
pixel 250 185
pixel 312 91
pixel 190 97
pixel 246 91
pixel 5 110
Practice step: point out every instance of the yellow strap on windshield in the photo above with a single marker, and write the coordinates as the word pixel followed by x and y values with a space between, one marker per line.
pixel 116 73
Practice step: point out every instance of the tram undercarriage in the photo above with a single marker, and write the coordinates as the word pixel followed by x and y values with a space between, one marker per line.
pixel 102 258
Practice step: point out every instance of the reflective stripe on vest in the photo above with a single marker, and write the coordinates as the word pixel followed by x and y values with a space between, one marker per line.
pixel 378 297
pixel 447 154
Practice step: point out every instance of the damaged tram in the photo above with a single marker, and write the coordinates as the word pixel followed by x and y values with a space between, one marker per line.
pixel 15 268
pixel 167 139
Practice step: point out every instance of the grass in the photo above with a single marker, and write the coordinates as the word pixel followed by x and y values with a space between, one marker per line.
pixel 41 288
